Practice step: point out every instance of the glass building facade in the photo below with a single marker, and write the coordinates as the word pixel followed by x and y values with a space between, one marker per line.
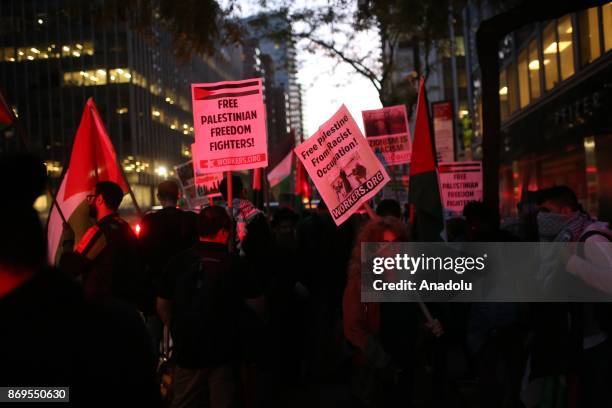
pixel 555 97
pixel 56 54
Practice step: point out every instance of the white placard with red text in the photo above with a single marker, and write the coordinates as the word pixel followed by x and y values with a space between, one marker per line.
pixel 388 134
pixel 460 183
pixel 230 125
pixel 342 165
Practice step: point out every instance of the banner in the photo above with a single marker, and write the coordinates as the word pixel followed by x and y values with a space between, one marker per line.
pixel 230 125
pixel 388 133
pixel 443 130
pixel 460 182
pixel 342 165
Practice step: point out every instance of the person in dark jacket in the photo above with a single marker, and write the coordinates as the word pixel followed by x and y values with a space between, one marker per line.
pixel 164 234
pixel 51 335
pixel 201 297
pixel 106 258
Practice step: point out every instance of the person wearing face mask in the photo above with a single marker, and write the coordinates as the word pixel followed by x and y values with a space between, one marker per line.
pixel 561 219
pixel 106 258
pixel 579 346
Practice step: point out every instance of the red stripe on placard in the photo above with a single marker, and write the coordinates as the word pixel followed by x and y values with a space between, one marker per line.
pixel 228 86
pixel 209 95
pixel 229 161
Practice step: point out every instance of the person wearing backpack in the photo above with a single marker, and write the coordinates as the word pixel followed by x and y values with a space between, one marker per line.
pixel 164 234
pixel 200 297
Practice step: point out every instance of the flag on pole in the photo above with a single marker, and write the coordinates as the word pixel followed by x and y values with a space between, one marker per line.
pixel 257 179
pixel 93 159
pixel 6 115
pixel 281 171
pixel 424 187
pixel 302 187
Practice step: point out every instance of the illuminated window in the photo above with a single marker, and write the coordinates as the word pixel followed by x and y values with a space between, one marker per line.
pixel 78 49
pixel 155 89
pixel 88 48
pixel 170 97
pixel 157 114
pixel 185 150
pixel 606 11
pixel 523 77
pixel 119 76
pixel 36 52
pixel 565 46
pixel 503 94
pixel 459 47
pixel 534 70
pixel 7 54
pixel 589 35
pixel 85 78
pixel 551 73
pixel 139 80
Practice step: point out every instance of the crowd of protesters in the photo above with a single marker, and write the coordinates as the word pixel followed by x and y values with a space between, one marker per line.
pixel 232 307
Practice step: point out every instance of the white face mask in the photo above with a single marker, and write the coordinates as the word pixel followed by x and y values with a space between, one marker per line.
pixel 550 224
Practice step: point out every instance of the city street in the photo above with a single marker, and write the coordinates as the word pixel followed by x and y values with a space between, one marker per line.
pixel 340 203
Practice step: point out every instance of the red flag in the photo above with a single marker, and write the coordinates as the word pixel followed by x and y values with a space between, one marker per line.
pixel 93 159
pixel 424 189
pixel 6 115
pixel 423 157
pixel 302 187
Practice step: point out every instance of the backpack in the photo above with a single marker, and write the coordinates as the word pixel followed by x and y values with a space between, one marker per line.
pixel 596 228
pixel 603 310
pixel 204 326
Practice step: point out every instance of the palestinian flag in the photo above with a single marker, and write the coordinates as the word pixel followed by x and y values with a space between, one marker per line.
pixel 93 159
pixel 281 171
pixel 424 187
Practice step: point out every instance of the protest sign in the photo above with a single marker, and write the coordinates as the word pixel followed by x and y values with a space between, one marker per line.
pixel 342 165
pixel 388 134
pixel 184 172
pixel 443 130
pixel 460 183
pixel 206 184
pixel 230 125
